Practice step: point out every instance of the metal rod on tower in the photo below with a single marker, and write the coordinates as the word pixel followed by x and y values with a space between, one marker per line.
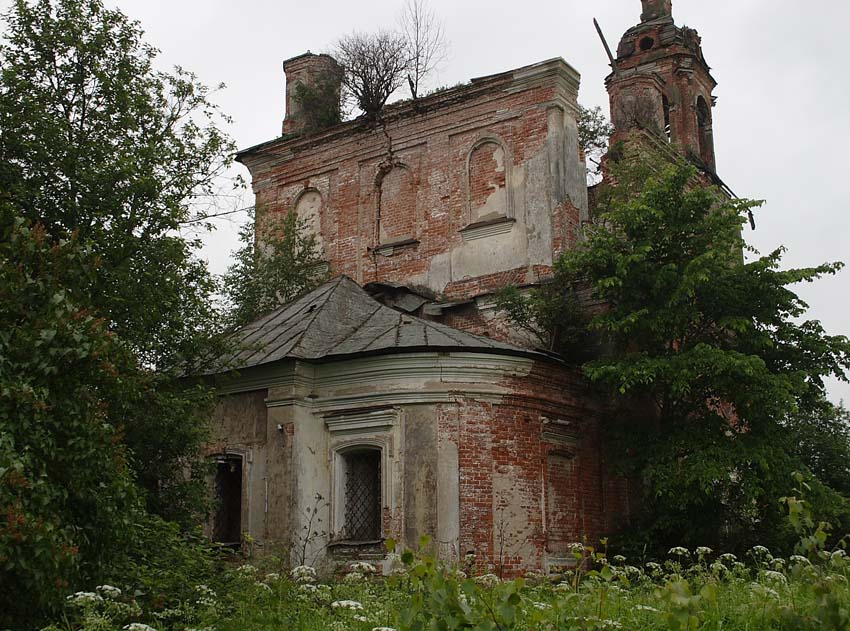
pixel 605 44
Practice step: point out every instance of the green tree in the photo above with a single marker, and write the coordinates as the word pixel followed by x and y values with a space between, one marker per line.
pixel 706 354
pixel 67 499
pixel 98 146
pixel 286 263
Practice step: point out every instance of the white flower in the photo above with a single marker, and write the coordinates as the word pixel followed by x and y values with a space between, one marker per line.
pixel 618 558
pixel 383 629
pixel 487 580
pixel 353 577
pixel 246 570
pixel 361 618
pixel 272 577
pixel 611 624
pixel 576 548
pixel 838 554
pixel 109 591
pixel 760 551
pixel 303 574
pixel 796 558
pixel 363 567
pixel 84 598
pixel 541 606
pixel 703 551
pixel 308 588
pixel 353 605
pixel 263 586
pixel 728 558
pixel 646 608
pixel 775 577
pixel 137 626
pixel 679 551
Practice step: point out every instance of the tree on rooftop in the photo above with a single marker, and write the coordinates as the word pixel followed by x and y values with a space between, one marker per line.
pixel 374 66
pixel 426 42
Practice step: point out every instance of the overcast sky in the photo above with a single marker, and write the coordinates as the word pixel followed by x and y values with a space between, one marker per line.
pixel 780 126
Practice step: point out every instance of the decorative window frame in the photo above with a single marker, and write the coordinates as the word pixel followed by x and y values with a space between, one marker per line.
pixel 293 208
pixel 481 140
pixel 349 431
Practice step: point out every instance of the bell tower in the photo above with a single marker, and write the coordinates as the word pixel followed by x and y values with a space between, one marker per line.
pixel 661 83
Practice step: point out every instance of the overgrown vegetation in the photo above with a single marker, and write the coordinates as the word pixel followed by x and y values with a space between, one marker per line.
pixel 284 264
pixel 706 357
pixel 687 589
pixel 102 303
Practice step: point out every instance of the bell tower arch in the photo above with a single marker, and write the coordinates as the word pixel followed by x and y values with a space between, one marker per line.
pixel 662 83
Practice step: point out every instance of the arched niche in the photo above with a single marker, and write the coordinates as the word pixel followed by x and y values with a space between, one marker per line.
pixel 705 138
pixel 396 212
pixel 308 208
pixel 488 177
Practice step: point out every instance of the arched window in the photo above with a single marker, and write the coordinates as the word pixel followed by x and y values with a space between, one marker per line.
pixel 668 130
pixel 396 205
pixel 706 143
pixel 488 178
pixel 308 209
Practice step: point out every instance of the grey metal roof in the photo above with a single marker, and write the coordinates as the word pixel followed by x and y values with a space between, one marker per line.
pixel 340 319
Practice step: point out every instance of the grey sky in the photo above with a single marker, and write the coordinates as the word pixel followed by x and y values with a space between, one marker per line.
pixel 780 125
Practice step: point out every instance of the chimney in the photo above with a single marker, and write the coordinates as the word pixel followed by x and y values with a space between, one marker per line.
pixel 307 70
pixel 656 10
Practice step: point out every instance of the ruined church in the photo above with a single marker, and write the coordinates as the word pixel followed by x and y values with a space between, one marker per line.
pixel 395 401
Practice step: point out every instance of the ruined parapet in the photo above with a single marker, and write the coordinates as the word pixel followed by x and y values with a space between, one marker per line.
pixel 312 92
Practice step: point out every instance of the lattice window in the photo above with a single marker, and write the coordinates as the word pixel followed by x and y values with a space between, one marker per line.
pixel 362 495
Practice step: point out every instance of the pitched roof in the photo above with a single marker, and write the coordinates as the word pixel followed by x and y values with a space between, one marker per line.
pixel 339 319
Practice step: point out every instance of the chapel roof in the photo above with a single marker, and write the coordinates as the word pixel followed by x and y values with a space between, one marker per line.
pixel 338 320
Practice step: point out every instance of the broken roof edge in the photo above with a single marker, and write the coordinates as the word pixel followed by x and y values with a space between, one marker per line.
pixel 524 75
pixel 296 318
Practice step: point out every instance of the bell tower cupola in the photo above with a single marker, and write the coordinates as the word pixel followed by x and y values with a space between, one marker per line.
pixel 661 83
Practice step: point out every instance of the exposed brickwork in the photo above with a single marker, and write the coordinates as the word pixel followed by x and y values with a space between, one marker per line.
pixel 426 174
pixel 532 476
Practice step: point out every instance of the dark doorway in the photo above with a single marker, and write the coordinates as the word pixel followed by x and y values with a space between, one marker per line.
pixel 227 525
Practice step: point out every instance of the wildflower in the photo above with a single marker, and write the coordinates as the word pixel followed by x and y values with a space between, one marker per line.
pixel 646 608
pixel 303 574
pixel 137 626
pixel 541 606
pixel 838 555
pixel 361 618
pixel 272 577
pixel 262 586
pixel 383 629
pixel 206 596
pixel 353 605
pixel 363 567
pixel 308 588
pixel 611 624
pixel 246 570
pixel 470 557
pixel 703 551
pixel 353 577
pixel 758 552
pixel 84 598
pixel 619 558
pixel 728 558
pixel 796 558
pixel 576 548
pixel 487 580
pixel 778 564
pixel 679 551
pixel 775 577
pixel 109 591
pixel 718 568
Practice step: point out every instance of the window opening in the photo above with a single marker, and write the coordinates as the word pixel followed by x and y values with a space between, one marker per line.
pixel 704 123
pixel 646 43
pixel 362 495
pixel 227 525
pixel 668 130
